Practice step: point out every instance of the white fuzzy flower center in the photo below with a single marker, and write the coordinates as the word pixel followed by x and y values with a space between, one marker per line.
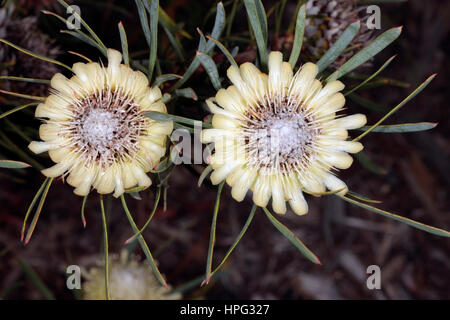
pixel 106 127
pixel 99 127
pixel 279 138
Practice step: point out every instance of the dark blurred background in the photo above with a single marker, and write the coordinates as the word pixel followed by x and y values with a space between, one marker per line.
pixel 412 180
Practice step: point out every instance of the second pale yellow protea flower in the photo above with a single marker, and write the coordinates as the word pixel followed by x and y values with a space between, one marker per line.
pixel 278 134
pixel 129 279
pixel 95 128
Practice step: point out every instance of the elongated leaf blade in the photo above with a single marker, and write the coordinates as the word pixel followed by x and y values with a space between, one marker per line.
pixel 342 42
pixel 396 108
pixel 188 93
pixel 402 127
pixel 212 237
pixel 371 76
pixel 298 37
pixel 38 211
pixel 105 248
pixel 124 43
pixel 410 222
pixel 211 69
pixel 367 53
pixel 164 78
pixel 218 27
pixel 238 238
pixel 7 113
pixel 11 164
pixel 292 238
pixel 153 11
pixel 204 174
pixel 224 50
pixel 143 244
pixel 88 28
pixel 159 116
pixel 258 22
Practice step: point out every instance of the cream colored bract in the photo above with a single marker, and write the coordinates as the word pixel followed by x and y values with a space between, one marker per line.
pixel 278 134
pixel 95 128
pixel 129 279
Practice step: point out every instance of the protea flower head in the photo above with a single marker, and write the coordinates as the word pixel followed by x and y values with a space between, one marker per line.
pixel 95 128
pixel 25 33
pixel 129 279
pixel 328 20
pixel 279 135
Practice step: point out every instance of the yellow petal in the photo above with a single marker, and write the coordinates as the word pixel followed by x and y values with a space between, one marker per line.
pixel 262 190
pixel 354 121
pixel 243 184
pixel 278 197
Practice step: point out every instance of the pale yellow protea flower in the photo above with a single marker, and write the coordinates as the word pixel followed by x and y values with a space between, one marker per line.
pixel 96 130
pixel 129 279
pixel 278 134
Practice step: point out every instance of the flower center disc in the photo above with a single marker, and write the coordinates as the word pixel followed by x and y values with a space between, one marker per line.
pixel 106 127
pixel 278 138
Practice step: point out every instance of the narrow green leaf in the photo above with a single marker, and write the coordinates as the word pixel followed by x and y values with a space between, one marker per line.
pixel 224 50
pixel 212 237
pixel 78 17
pixel 38 211
pixel 30 207
pixel 410 222
pixel 77 33
pixel 211 69
pixel 339 46
pixel 292 238
pixel 279 16
pixel 35 280
pixel 143 244
pixel 84 38
pixel 155 206
pixel 124 42
pixel 401 104
pixel 16 149
pixel 204 174
pixel 7 113
pixel 11 164
pixel 402 127
pixel 164 78
pixel 188 93
pixel 105 248
pixel 218 27
pixel 174 41
pixel 298 37
pixel 24 96
pixel 362 198
pixel 35 55
pixel 159 116
pixel 164 18
pixel 367 53
pixel 32 80
pixel 372 76
pixel 239 237
pixel 153 11
pixel 144 21
pixel 258 22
